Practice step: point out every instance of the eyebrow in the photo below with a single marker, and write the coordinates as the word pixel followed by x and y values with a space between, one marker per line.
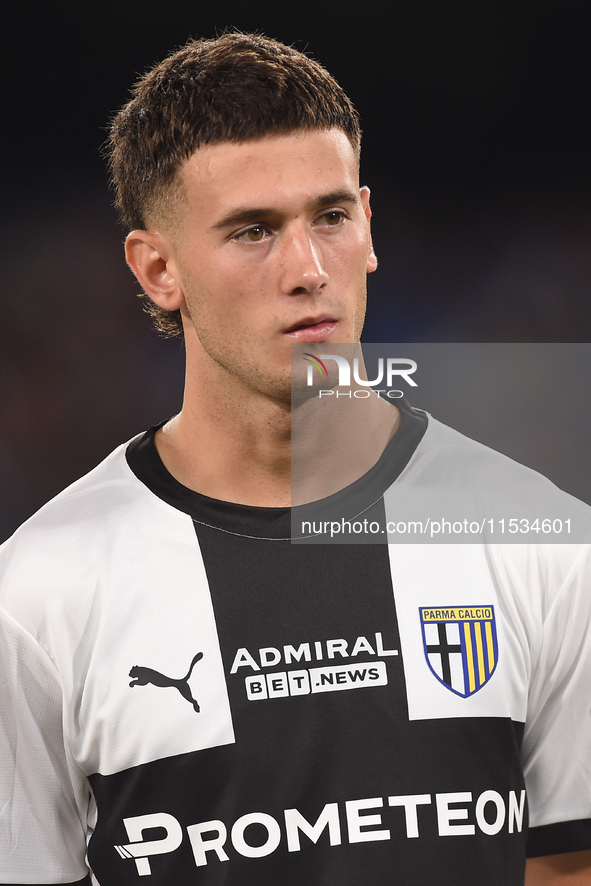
pixel 247 214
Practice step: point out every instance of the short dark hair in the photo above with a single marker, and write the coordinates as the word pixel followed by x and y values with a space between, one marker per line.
pixel 233 88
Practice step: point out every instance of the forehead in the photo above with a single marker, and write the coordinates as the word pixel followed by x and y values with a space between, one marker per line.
pixel 272 171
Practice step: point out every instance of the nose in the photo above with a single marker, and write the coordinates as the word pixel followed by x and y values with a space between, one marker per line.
pixel 303 270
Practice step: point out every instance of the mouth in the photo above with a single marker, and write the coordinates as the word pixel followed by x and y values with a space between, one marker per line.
pixel 311 329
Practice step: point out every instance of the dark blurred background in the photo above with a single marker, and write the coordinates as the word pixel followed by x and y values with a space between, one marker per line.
pixel 476 147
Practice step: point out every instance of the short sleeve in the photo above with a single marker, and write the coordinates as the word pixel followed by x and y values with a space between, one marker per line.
pixel 557 738
pixel 44 798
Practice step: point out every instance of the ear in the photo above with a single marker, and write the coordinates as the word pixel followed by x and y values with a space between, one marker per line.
pixel 372 259
pixel 150 255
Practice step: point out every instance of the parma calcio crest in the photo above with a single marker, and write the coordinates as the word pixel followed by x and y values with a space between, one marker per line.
pixel 460 644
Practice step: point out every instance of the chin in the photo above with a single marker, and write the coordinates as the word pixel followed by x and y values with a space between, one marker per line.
pixel 275 388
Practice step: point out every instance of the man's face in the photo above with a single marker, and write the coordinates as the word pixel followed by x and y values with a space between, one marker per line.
pixel 272 249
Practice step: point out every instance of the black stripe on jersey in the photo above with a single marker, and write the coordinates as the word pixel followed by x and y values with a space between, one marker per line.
pixel 564 836
pixel 305 772
pixel 275 523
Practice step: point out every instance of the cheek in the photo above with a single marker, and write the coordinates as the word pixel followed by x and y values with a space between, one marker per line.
pixel 350 258
pixel 229 312
pixel 239 287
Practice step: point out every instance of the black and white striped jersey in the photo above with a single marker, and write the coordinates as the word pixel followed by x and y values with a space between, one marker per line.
pixel 189 698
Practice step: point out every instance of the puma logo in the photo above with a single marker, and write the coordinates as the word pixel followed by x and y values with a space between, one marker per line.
pixel 142 676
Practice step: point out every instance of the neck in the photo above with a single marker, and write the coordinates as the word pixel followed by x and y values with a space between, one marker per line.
pixel 336 441
pixel 230 444
pixel 233 443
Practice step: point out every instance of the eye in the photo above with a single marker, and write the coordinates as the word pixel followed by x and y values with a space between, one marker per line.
pixel 333 218
pixel 254 234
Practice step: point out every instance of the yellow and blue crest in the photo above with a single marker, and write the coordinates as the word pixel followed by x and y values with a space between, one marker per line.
pixel 460 645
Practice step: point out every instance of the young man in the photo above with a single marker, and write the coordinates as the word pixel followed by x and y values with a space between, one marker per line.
pixel 169 658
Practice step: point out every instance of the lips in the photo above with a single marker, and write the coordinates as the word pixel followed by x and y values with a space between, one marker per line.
pixel 311 329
